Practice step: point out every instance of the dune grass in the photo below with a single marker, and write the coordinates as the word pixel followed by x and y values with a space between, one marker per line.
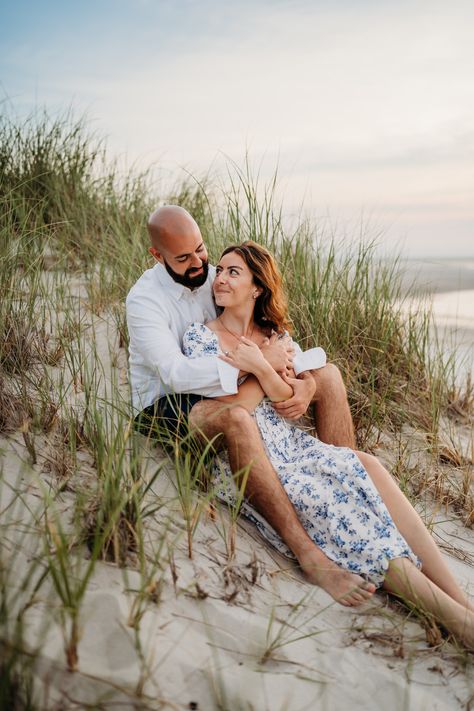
pixel 72 243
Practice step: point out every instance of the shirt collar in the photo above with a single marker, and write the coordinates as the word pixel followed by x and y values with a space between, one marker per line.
pixel 179 290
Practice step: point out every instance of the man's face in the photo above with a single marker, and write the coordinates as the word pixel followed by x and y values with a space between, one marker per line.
pixel 185 258
pixel 192 277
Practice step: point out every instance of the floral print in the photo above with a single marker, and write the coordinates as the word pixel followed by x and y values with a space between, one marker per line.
pixel 334 497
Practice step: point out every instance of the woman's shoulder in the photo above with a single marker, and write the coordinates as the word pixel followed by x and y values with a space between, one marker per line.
pixel 198 335
pixel 198 328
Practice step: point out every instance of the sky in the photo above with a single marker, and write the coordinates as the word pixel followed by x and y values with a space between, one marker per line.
pixel 367 107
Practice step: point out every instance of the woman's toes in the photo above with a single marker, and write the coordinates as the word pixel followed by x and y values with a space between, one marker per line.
pixel 359 598
pixel 353 600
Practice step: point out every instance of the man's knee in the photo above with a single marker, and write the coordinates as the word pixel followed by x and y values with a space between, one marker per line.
pixel 328 379
pixel 225 418
pixel 236 418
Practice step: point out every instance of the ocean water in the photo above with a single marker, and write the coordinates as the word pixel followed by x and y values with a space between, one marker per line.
pixel 437 275
pixel 448 285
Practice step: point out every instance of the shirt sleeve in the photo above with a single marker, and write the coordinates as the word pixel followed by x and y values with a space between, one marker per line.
pixel 311 359
pixel 154 345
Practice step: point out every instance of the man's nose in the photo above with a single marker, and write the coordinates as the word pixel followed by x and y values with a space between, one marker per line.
pixel 196 260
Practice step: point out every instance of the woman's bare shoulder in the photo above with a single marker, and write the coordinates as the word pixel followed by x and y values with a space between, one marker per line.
pixel 213 325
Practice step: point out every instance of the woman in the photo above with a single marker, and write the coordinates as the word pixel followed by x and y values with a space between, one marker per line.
pixel 334 497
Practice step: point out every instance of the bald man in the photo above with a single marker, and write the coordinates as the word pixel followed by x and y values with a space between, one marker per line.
pixel 160 306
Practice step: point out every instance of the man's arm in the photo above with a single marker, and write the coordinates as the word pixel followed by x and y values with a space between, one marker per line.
pixel 154 345
pixel 304 390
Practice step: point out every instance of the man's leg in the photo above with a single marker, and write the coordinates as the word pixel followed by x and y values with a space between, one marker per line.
pixel 267 495
pixel 332 415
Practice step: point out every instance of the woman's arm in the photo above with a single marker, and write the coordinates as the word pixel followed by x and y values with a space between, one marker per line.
pixel 252 361
pixel 200 341
pixel 249 396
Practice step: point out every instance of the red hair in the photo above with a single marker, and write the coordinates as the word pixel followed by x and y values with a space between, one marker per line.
pixel 271 306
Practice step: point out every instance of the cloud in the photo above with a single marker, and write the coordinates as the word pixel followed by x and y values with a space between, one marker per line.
pixel 365 104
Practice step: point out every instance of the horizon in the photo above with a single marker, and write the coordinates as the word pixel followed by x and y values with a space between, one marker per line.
pixel 366 109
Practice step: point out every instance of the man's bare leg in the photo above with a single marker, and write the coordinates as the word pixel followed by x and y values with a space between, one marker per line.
pixel 406 581
pixel 332 415
pixel 267 495
pixel 413 530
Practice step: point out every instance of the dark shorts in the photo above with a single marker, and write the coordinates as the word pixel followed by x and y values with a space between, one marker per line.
pixel 167 418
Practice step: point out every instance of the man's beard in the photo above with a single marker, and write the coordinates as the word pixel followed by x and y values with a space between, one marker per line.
pixel 187 278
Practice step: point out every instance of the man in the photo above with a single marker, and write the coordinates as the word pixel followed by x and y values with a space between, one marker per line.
pixel 160 306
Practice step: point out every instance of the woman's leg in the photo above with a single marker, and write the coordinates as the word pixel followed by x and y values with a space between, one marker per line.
pixel 413 530
pixel 404 580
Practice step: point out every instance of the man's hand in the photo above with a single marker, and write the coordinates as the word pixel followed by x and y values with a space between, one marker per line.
pixel 278 352
pixel 304 388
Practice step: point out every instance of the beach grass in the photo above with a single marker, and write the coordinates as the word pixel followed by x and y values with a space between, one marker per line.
pixel 72 243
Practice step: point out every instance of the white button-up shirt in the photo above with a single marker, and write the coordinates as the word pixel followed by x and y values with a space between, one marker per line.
pixel 158 313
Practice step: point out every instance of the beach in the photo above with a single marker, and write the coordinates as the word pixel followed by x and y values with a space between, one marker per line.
pixel 340 138
pixel 220 631
pixel 124 582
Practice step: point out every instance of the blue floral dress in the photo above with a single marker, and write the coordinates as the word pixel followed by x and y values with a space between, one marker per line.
pixel 334 497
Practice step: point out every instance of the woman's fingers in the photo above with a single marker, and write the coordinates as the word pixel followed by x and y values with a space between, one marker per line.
pixel 246 341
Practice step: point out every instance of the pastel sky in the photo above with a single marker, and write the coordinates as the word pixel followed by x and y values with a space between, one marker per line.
pixel 367 106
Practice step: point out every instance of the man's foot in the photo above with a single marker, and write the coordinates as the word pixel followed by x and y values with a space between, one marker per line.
pixel 348 589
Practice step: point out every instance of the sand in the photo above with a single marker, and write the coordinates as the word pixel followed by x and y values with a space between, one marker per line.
pixel 248 633
pixel 208 639
pixel 242 634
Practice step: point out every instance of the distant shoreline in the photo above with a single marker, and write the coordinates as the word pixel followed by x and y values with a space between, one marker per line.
pixel 436 276
pixel 448 285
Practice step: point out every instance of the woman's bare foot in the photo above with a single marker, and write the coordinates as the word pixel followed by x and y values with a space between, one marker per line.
pixel 462 629
pixel 348 589
pixel 466 602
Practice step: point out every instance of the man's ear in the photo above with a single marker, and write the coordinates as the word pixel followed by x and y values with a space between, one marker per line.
pixel 154 253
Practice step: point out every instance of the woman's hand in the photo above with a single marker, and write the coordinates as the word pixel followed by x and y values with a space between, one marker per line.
pixel 246 356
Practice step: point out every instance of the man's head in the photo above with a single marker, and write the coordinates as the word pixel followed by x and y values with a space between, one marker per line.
pixel 176 242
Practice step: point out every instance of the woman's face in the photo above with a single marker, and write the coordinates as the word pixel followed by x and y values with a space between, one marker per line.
pixel 234 285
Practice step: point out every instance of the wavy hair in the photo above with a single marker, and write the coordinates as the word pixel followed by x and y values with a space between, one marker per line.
pixel 271 308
